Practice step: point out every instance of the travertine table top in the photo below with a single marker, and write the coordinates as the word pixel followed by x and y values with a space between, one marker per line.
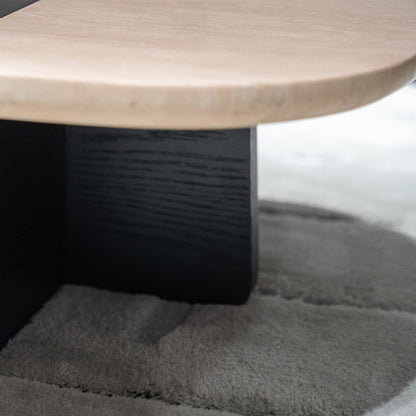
pixel 201 64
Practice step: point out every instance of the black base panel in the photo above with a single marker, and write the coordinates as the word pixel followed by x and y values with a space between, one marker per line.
pixel 31 219
pixel 11 6
pixel 171 213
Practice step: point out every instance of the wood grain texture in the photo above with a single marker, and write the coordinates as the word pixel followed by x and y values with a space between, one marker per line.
pixel 31 219
pixel 193 64
pixel 173 213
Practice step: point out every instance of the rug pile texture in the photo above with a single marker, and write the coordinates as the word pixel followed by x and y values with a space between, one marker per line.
pixel 330 330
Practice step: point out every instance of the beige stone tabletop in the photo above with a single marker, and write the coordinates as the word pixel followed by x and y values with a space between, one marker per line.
pixel 201 64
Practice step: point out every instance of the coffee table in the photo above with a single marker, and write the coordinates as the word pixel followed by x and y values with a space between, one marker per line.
pixel 128 140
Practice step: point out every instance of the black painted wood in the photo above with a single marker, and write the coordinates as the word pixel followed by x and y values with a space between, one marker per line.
pixel 31 219
pixel 173 213
pixel 11 6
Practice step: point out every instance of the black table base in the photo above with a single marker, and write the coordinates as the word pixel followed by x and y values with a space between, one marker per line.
pixel 169 213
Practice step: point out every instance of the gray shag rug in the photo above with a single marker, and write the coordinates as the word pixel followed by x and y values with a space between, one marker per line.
pixel 329 331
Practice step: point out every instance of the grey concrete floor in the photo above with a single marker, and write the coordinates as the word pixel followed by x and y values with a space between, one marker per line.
pixel 362 162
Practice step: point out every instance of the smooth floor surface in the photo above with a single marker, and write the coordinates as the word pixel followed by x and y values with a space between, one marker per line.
pixel 361 162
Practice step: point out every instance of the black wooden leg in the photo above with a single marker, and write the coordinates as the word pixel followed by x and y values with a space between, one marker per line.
pixel 11 6
pixel 162 212
pixel 31 219
pixel 172 213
